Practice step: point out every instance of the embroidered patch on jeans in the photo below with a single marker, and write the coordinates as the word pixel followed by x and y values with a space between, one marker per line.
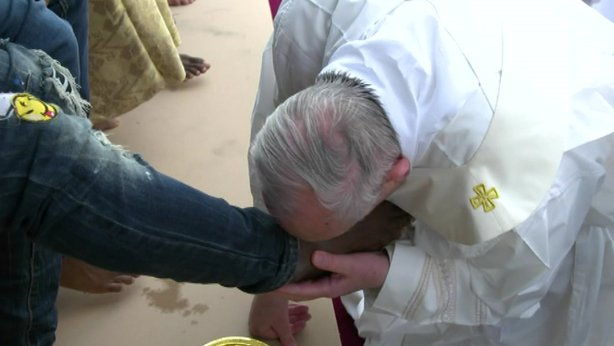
pixel 31 108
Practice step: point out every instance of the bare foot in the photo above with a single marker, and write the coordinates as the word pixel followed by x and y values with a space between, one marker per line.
pixel 179 2
pixel 106 124
pixel 378 229
pixel 193 66
pixel 80 276
pixel 382 226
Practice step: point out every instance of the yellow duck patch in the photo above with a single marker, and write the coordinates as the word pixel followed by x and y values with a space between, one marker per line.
pixel 31 108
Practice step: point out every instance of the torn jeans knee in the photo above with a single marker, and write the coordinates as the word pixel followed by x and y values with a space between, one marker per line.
pixel 35 72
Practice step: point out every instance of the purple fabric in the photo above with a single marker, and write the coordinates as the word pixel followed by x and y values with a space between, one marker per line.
pixel 274 4
pixel 345 325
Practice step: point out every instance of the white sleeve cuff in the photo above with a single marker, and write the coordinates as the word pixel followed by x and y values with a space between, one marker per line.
pixel 405 278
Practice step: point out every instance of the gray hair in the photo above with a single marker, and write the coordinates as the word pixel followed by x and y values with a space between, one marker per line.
pixel 332 138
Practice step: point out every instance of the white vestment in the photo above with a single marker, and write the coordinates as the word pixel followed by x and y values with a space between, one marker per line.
pixel 605 7
pixel 439 68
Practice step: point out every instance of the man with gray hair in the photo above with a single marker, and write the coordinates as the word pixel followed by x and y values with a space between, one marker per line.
pixel 491 122
pixel 309 151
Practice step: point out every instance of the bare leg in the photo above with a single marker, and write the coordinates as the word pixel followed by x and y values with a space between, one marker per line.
pixel 193 66
pixel 80 276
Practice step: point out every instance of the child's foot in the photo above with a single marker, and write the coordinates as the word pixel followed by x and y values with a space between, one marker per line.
pixel 179 2
pixel 193 66
pixel 80 276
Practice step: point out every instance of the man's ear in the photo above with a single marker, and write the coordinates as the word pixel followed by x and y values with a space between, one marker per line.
pixel 399 170
pixel 396 175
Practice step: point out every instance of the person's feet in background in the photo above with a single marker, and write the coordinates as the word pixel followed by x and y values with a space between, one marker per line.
pixel 105 124
pixel 193 66
pixel 180 2
pixel 81 276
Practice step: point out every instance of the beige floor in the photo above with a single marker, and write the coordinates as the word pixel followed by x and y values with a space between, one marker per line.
pixel 198 134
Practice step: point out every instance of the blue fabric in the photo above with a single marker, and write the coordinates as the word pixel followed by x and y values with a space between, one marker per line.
pixel 60 30
pixel 35 72
pixel 64 189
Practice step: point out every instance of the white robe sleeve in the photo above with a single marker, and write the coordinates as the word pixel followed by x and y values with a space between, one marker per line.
pixel 290 62
pixel 263 107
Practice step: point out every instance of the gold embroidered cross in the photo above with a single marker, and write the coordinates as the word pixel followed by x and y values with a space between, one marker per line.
pixel 484 198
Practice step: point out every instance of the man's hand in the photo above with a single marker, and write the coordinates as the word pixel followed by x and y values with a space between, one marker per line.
pixel 271 317
pixel 349 273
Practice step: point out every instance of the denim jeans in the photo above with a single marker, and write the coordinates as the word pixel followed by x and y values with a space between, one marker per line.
pixel 60 30
pixel 64 189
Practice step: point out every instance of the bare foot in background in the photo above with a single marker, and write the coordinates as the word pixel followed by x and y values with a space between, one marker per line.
pixel 80 276
pixel 193 66
pixel 179 2
pixel 106 124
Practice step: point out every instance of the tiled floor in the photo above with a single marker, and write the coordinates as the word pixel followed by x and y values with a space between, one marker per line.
pixel 199 134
